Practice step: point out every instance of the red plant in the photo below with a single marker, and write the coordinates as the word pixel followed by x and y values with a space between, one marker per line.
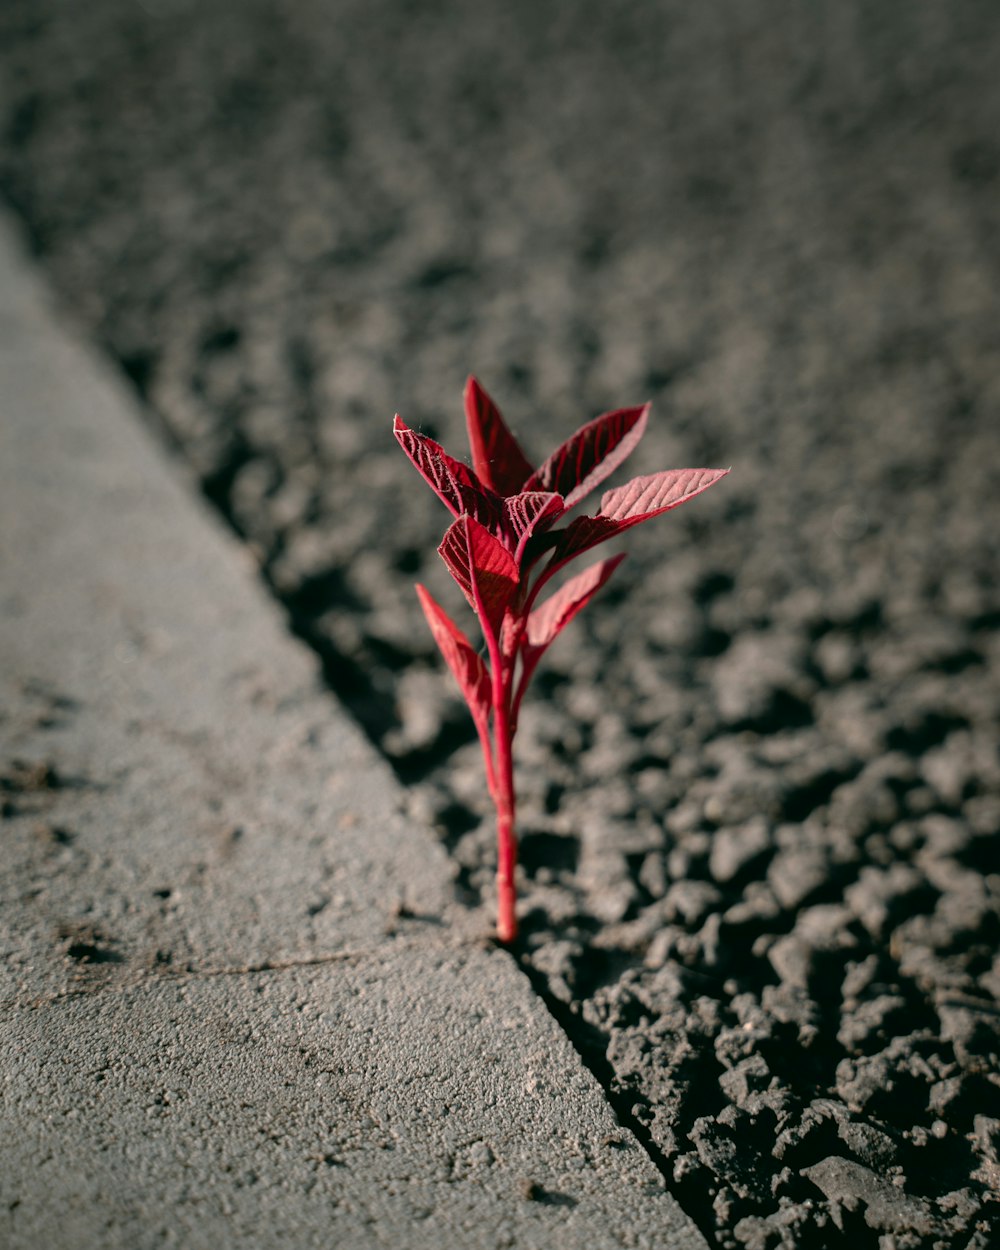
pixel 502 550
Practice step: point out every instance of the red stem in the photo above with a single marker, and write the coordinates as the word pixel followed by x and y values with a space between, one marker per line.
pixel 506 703
pixel 500 778
pixel 504 651
pixel 504 798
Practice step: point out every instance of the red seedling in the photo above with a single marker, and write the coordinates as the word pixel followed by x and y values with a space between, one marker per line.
pixel 502 550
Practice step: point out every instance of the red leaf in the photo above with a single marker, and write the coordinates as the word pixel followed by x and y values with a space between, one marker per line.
pixel 453 482
pixel 468 668
pixel 593 452
pixel 525 513
pixel 551 617
pixel 648 496
pixel 496 457
pixel 628 505
pixel 483 567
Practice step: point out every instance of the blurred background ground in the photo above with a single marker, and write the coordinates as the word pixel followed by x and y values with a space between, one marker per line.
pixel 761 790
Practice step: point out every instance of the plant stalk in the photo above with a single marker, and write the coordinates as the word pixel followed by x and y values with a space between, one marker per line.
pixel 505 804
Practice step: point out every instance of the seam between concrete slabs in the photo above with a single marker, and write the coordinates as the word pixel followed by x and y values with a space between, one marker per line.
pixel 186 800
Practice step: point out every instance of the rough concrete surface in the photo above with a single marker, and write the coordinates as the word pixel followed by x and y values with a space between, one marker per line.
pixel 236 1008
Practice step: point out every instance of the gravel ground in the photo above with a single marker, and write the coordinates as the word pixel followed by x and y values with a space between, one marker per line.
pixel 760 779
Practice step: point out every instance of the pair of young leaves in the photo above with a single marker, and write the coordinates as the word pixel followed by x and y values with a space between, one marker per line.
pixel 504 513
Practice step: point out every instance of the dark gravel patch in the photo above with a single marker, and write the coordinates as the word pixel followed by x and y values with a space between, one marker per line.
pixel 760 781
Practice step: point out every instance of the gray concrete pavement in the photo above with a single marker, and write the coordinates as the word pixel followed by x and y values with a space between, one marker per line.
pixel 215 1029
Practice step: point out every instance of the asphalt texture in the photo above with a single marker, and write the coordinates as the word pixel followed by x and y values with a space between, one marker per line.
pixel 237 1004
pixel 759 780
